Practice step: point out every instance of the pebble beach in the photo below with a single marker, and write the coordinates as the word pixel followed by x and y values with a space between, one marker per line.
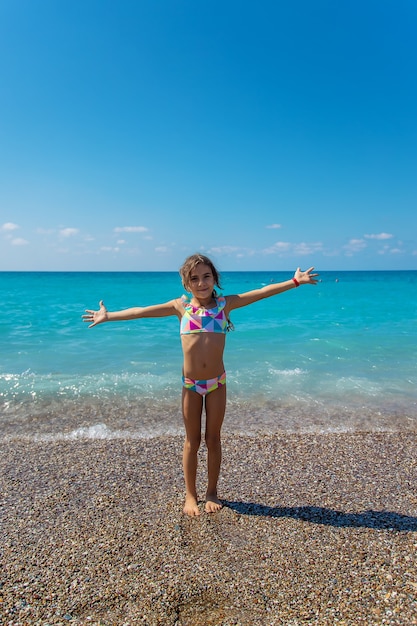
pixel 315 529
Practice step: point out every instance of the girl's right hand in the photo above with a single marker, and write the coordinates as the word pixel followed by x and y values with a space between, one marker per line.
pixel 96 317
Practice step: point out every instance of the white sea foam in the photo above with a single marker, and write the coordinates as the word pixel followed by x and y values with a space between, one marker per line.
pixel 99 432
pixel 296 371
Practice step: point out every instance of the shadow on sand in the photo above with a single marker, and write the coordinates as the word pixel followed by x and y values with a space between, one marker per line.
pixel 379 520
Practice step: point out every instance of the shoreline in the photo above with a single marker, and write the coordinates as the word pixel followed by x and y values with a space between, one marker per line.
pixel 146 418
pixel 315 529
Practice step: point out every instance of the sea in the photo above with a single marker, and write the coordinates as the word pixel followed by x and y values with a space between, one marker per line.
pixel 339 356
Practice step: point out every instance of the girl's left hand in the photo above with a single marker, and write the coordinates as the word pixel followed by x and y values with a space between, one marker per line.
pixel 305 277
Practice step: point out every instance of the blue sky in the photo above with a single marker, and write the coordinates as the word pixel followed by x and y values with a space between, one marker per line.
pixel 268 135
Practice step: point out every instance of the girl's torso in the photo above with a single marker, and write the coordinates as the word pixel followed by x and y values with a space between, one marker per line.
pixel 203 334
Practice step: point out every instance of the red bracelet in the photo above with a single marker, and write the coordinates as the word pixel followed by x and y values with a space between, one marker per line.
pixel 296 283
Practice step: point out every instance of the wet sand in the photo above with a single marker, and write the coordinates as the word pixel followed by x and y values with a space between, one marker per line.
pixel 315 529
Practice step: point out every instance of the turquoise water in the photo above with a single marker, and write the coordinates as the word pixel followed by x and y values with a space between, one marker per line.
pixel 341 355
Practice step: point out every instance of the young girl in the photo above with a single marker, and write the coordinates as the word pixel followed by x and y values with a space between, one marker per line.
pixel 204 321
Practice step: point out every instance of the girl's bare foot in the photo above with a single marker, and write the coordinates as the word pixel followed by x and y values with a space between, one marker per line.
pixel 213 504
pixel 191 506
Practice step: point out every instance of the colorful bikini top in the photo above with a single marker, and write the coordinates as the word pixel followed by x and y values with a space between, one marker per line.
pixel 200 320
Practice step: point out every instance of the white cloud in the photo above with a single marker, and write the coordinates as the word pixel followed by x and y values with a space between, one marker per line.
pixel 18 241
pixel 302 249
pixel 354 245
pixel 109 249
pixel 8 227
pixel 274 226
pixel 387 250
pixel 225 250
pixel 278 248
pixel 383 250
pixel 298 249
pixel 380 236
pixel 131 229
pixel 68 232
pixel 162 249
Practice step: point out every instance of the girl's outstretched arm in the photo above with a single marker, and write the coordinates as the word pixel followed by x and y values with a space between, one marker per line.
pixel 306 277
pixel 156 310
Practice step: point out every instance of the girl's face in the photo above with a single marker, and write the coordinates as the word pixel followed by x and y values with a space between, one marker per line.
pixel 201 282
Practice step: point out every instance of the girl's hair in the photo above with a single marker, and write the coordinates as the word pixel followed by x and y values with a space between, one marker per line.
pixel 191 263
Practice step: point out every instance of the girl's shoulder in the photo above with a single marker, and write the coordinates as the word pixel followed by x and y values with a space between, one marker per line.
pixel 179 305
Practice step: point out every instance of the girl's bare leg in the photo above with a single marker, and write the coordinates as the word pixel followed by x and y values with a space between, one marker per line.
pixel 192 406
pixel 215 410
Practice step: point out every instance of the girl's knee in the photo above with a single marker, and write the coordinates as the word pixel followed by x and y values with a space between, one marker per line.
pixel 192 445
pixel 212 440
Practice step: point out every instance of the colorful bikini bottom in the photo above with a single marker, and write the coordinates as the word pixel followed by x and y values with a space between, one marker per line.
pixel 203 387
